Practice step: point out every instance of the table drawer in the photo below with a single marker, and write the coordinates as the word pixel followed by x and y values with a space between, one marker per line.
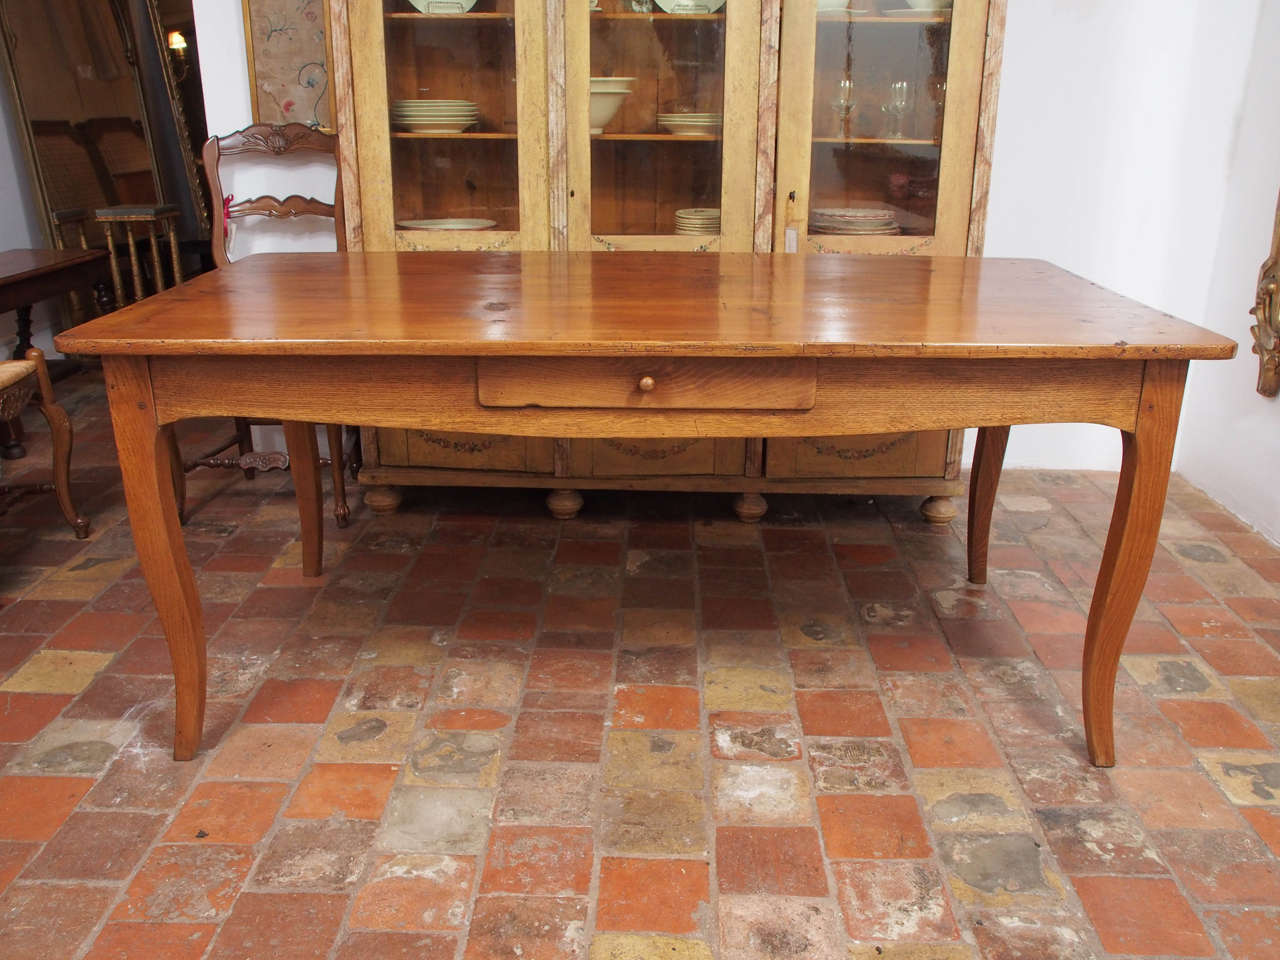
pixel 660 383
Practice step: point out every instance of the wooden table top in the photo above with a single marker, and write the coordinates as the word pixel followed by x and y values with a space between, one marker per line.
pixel 18 265
pixel 610 304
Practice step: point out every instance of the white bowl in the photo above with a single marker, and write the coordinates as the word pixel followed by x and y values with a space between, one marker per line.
pixel 604 106
pixel 443 6
pixel 611 84
pixel 929 4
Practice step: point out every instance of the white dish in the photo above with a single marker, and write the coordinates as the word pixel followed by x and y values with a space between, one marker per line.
pixel 690 129
pixel 458 126
pixel 688 6
pixel 852 232
pixel 911 12
pixel 833 6
pixel 447 224
pixel 443 6
pixel 426 117
pixel 604 107
pixel 929 4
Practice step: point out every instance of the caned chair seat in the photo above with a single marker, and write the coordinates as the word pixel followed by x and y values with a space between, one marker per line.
pixel 15 371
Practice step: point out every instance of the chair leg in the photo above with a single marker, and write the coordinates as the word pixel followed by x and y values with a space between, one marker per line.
pixel 244 441
pixel 60 430
pixel 341 512
pixel 177 469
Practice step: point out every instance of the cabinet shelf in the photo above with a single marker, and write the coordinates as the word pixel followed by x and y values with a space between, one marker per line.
pixel 695 17
pixel 889 141
pixel 446 17
pixel 477 135
pixel 836 17
pixel 659 137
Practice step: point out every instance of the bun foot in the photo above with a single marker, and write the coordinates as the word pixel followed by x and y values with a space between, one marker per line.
pixel 940 510
pixel 750 507
pixel 564 504
pixel 383 500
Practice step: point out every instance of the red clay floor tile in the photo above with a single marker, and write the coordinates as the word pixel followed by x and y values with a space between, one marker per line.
pixel 661 896
pixel 1142 915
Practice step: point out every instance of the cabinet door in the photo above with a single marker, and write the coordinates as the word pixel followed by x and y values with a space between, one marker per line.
pixel 877 116
pixel 451 122
pixel 869 455
pixel 661 104
pixel 680 457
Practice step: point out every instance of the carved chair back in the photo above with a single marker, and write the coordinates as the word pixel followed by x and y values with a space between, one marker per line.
pixel 270 141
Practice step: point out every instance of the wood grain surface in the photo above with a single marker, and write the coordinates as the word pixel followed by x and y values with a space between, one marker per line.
pixel 563 304
pixel 655 383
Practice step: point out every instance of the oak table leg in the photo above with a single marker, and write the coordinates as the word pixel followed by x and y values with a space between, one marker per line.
pixel 177 469
pixel 153 517
pixel 1131 543
pixel 304 459
pixel 984 478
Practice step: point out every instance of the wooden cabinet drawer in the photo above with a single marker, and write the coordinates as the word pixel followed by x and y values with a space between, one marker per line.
pixel 870 455
pixel 667 457
pixel 671 383
pixel 464 451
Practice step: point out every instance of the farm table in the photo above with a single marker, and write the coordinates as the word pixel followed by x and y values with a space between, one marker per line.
pixel 647 345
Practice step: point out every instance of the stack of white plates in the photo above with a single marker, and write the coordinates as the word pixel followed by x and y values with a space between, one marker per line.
pixel 691 124
pixel 698 221
pixel 862 221
pixel 434 116
pixel 450 223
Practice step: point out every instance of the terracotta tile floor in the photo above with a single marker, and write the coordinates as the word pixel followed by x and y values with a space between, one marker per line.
pixel 652 732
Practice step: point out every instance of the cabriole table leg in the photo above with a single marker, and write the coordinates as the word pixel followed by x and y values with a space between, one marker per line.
pixel 1131 543
pixel 304 457
pixel 153 517
pixel 984 479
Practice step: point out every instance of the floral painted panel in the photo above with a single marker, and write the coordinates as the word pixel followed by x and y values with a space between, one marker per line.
pixel 289 61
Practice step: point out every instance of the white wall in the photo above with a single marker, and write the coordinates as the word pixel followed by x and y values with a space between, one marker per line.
pixel 1230 445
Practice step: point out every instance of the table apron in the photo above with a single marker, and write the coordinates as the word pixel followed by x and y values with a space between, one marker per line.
pixel 852 396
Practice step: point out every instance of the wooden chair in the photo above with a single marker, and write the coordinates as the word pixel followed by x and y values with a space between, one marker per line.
pixel 271 141
pixel 19 380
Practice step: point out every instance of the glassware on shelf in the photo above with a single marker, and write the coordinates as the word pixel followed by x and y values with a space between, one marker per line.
pixel 938 95
pixel 844 103
pixel 896 108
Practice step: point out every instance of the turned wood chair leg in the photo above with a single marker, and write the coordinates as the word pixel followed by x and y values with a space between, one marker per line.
pixel 341 512
pixel 1131 543
pixel 984 479
pixel 60 430
pixel 244 443
pixel 304 464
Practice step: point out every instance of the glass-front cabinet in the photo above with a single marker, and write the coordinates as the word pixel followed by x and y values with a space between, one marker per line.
pixel 451 122
pixel 661 108
pixel 877 111
pixel 836 126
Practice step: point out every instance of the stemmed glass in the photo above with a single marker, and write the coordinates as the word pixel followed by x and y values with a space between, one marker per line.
pixel 844 103
pixel 896 107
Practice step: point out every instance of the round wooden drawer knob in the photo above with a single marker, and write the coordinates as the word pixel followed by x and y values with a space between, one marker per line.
pixel 647 384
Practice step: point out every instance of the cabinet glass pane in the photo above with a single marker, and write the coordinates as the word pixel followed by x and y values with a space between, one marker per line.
pixel 657 112
pixel 451 93
pixel 878 100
